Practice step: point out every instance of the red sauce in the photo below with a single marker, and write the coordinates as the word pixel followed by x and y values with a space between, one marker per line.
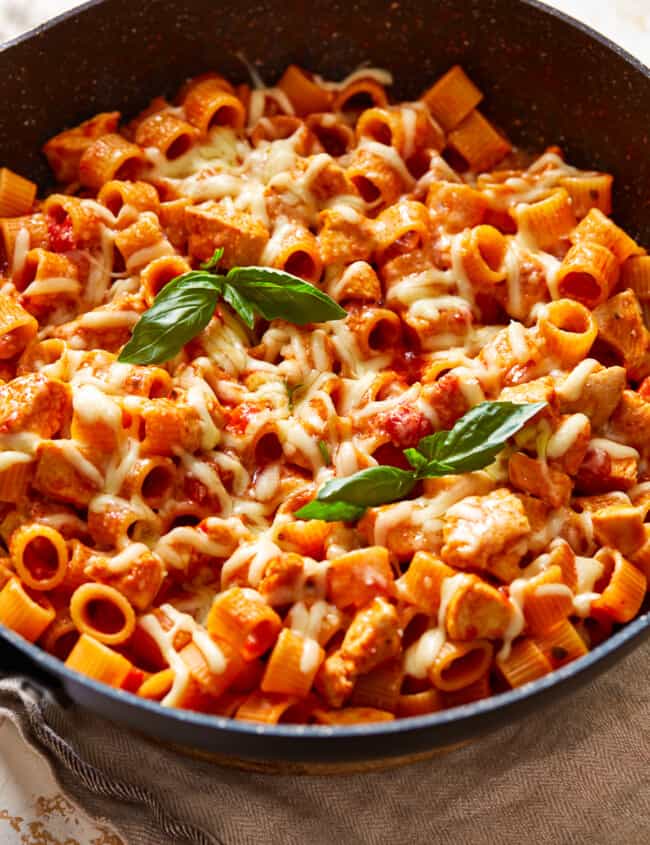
pixel 238 419
pixel 60 234
pixel 405 425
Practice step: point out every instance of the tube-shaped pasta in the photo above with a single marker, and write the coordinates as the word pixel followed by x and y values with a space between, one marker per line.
pixel 102 612
pixel 160 272
pixel 97 661
pixel 406 128
pixel 458 665
pixel 47 279
pixel 17 327
pixel 478 142
pixel 598 229
pixel 152 479
pixel 334 136
pixel 136 196
pixel 26 614
pixel 212 666
pixel 77 221
pixel 64 150
pixel 451 99
pixel 142 242
pixel 456 206
pixel 305 94
pixel 419 703
pixel 24 233
pixel 561 644
pixel 526 662
pixel 422 581
pixel 402 227
pixel 110 157
pixel 635 274
pixel 351 716
pixel 621 328
pixel 17 194
pixel 207 105
pixel 548 219
pixel 359 94
pixel 294 249
pixel 156 686
pixel 379 688
pixel 167 132
pixel 113 523
pixel 375 329
pixel 569 330
pixel 268 708
pixel 293 664
pixel 355 578
pixel 374 177
pixel 472 692
pixel 40 556
pixel 548 601
pixel 304 538
pixel 61 636
pixel 14 481
pixel 589 190
pixel 242 618
pixel 483 250
pixel 358 281
pixel 623 596
pixel 588 273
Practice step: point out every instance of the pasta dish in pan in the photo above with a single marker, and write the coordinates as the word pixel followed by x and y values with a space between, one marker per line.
pixel 317 407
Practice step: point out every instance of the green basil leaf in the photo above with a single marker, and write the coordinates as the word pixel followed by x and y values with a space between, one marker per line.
pixel 213 263
pixel 239 304
pixel 477 438
pixel 276 294
pixel 416 459
pixel 331 511
pixel 324 452
pixel 179 312
pixel 374 486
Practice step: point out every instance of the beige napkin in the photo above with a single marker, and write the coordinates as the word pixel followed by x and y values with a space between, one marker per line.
pixel 577 771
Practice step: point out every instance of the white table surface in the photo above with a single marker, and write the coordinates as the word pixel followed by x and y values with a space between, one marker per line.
pixel 32 809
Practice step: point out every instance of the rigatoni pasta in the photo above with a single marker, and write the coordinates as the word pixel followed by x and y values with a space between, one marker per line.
pixel 153 514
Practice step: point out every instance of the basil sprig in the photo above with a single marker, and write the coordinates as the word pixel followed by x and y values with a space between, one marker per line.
pixel 473 443
pixel 185 306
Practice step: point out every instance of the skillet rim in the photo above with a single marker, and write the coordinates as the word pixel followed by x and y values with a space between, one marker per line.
pixel 52 665
pixel 632 631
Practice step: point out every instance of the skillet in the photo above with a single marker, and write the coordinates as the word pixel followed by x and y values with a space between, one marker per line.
pixel 548 80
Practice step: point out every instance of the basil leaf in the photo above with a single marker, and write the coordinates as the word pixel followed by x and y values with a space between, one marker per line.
pixel 180 311
pixel 330 511
pixel 213 263
pixel 473 443
pixel 375 486
pixel 477 438
pixel 324 452
pixel 239 304
pixel 274 293
pixel 416 459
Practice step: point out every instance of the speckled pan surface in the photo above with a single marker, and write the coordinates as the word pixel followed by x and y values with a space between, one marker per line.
pixel 547 80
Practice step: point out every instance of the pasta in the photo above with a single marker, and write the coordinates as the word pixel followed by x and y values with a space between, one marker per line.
pixel 155 516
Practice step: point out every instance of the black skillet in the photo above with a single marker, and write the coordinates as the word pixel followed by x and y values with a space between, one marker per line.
pixel 548 80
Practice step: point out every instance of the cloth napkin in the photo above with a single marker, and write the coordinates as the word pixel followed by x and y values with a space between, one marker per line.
pixel 577 771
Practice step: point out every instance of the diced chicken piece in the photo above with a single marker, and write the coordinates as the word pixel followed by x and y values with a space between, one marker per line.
pixel 476 611
pixel 34 403
pixel 486 533
pixel 373 637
